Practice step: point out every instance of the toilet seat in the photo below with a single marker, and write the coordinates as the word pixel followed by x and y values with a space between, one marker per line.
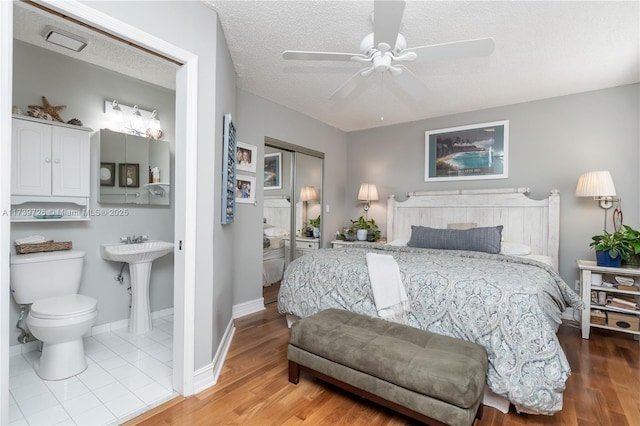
pixel 63 307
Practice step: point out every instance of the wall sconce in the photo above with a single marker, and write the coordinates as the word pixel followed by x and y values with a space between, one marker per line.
pixel 598 185
pixel 154 121
pixel 368 192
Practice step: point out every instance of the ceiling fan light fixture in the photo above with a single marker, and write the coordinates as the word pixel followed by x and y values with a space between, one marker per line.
pixel 64 39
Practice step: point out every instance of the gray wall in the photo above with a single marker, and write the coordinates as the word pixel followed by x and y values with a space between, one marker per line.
pixel 259 118
pixel 551 142
pixel 84 88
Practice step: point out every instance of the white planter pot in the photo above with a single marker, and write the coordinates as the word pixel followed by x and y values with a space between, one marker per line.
pixel 362 234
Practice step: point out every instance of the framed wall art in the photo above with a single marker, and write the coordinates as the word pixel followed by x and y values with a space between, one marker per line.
pixel 477 151
pixel 107 174
pixel 246 157
pixel 273 171
pixel 228 170
pixel 245 189
pixel 129 175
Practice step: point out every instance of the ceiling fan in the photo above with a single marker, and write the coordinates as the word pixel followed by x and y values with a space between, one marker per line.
pixel 383 51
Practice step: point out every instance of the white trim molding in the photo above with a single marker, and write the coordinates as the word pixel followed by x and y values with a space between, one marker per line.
pixel 208 375
pixel 246 308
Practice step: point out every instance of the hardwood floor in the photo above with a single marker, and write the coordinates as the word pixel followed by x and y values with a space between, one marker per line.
pixel 253 388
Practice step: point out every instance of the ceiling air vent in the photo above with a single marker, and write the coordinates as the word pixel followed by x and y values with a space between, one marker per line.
pixel 64 39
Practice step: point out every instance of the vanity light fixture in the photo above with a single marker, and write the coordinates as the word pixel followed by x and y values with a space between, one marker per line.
pixel 154 121
pixel 136 120
pixel 598 185
pixel 367 193
pixel 64 39
pixel 115 115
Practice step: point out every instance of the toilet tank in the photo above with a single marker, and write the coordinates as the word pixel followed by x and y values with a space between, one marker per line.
pixel 39 275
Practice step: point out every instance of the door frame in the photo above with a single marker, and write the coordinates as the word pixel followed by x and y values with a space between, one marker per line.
pixel 185 194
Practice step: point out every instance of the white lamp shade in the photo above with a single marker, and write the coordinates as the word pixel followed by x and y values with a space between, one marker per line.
pixel 308 193
pixel 368 192
pixel 595 184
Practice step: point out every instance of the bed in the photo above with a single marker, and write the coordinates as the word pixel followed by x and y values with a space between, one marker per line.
pixel 277 216
pixel 510 304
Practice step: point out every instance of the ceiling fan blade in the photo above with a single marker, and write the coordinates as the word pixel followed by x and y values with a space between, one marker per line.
pixel 453 50
pixel 387 16
pixel 321 56
pixel 355 82
pixel 408 82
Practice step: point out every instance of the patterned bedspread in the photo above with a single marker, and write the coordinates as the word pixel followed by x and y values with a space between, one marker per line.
pixel 509 305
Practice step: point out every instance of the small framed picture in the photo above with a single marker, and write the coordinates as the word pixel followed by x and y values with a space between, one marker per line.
pixel 246 157
pixel 129 176
pixel 273 171
pixel 107 174
pixel 245 186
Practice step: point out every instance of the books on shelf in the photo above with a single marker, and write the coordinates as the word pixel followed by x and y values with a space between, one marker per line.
pixel 622 302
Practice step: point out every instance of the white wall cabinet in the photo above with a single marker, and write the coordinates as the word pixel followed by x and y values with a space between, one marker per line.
pixel 50 163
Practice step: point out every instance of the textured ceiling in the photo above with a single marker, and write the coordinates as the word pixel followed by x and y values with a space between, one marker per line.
pixel 29 24
pixel 543 49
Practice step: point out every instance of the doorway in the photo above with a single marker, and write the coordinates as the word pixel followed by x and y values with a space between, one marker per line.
pixel 186 159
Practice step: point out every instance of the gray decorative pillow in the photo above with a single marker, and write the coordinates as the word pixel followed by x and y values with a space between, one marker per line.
pixel 486 239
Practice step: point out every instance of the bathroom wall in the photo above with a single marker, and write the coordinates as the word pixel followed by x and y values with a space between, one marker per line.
pixel 83 88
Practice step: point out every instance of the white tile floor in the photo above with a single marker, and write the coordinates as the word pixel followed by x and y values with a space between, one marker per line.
pixel 127 375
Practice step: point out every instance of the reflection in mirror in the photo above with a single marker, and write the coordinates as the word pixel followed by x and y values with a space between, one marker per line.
pixel 134 169
pixel 308 183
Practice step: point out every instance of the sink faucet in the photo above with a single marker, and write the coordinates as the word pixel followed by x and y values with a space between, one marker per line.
pixel 133 239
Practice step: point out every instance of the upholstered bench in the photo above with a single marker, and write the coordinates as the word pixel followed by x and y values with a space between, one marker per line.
pixel 432 378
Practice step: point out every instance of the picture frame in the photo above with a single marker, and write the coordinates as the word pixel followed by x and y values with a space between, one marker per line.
pixel 245 189
pixel 107 174
pixel 246 157
pixel 471 152
pixel 229 166
pixel 129 175
pixel 273 171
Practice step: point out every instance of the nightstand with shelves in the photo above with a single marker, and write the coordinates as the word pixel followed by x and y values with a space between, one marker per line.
pixel 304 245
pixel 616 319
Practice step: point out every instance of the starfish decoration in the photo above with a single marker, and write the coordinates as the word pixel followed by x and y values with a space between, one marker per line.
pixel 49 109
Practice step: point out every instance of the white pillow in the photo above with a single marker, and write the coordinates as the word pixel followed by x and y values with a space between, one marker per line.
pixel 275 232
pixel 399 242
pixel 514 249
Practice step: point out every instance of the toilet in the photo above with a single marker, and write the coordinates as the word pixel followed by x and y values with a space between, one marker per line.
pixel 59 317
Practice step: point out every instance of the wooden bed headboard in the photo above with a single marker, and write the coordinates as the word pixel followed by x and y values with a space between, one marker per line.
pixel 535 223
pixel 277 211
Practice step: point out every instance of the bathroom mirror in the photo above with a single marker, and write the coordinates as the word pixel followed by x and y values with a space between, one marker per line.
pixel 133 169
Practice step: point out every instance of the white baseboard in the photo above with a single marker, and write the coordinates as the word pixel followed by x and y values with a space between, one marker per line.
pixel 247 308
pixel 208 375
pixel 98 329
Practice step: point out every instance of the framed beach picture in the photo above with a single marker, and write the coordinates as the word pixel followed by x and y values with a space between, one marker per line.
pixel 273 171
pixel 245 189
pixel 477 151
pixel 246 157
pixel 107 174
pixel 129 176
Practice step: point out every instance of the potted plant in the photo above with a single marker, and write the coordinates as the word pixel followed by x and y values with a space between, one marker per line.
pixel 366 230
pixel 315 225
pixel 611 248
pixel 632 237
pixel 306 230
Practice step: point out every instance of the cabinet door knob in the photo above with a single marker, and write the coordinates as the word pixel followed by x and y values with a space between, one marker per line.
pixel 47 160
pixel 57 161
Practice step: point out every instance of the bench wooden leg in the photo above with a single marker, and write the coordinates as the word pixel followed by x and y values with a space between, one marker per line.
pixel 294 372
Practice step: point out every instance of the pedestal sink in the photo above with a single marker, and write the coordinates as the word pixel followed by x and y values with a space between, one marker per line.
pixel 139 256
